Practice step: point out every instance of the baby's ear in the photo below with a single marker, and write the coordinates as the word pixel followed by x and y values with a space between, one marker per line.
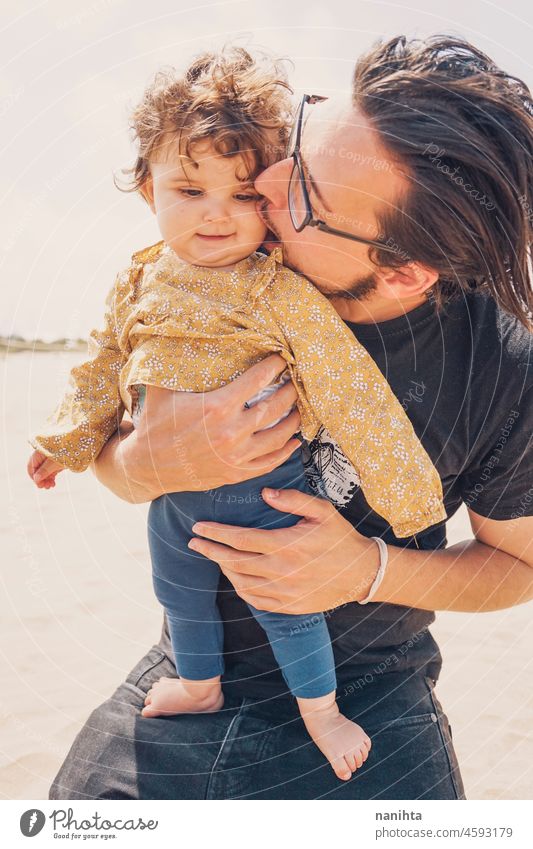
pixel 147 191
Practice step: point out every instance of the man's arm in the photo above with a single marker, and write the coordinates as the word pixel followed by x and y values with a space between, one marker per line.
pixel 322 562
pixel 199 441
pixel 491 572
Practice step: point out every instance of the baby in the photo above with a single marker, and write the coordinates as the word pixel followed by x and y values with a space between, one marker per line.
pixel 196 310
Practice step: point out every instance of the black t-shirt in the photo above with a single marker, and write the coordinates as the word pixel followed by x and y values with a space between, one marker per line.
pixel 465 379
pixel 464 375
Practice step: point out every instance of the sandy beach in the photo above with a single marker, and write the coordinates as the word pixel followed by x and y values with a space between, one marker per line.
pixel 79 611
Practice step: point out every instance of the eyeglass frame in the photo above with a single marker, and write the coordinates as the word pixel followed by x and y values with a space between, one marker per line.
pixel 309 220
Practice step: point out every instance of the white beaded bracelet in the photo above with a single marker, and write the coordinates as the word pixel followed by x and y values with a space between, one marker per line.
pixel 383 561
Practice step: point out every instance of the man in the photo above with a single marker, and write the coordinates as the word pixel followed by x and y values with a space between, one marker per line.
pixel 410 207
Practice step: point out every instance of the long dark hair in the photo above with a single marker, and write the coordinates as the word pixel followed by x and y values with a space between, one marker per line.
pixel 462 131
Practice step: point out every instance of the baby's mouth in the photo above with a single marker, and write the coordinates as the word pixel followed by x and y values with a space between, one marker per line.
pixel 214 238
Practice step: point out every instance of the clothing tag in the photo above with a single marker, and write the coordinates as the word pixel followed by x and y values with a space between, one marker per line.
pixel 329 472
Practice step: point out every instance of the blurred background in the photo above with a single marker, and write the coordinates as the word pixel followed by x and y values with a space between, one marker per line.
pixel 70 72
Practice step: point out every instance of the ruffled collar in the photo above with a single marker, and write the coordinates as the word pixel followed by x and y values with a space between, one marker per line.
pixel 257 270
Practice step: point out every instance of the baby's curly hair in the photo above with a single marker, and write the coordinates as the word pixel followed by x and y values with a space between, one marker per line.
pixel 240 102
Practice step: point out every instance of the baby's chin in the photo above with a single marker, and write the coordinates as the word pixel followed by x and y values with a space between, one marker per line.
pixel 219 258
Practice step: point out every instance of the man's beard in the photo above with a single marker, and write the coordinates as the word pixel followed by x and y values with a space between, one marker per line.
pixel 357 290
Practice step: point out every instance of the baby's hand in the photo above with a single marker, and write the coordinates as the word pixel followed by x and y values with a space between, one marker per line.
pixel 42 470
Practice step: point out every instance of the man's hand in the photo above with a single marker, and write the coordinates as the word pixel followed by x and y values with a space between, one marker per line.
pixel 200 441
pixel 320 563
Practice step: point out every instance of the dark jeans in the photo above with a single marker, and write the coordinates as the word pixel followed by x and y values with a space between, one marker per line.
pixel 260 750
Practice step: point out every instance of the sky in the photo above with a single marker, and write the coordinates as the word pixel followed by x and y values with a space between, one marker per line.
pixel 71 70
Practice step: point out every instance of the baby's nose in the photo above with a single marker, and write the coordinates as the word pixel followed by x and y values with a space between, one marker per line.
pixel 217 210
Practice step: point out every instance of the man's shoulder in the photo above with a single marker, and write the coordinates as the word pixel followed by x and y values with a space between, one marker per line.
pixel 502 346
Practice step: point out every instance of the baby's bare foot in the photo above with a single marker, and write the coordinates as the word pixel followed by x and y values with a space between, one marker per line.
pixel 342 742
pixel 179 695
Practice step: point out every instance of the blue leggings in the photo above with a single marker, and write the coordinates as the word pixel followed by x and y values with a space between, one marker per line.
pixel 186 583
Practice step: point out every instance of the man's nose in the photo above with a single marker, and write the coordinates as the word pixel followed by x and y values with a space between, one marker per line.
pixel 273 183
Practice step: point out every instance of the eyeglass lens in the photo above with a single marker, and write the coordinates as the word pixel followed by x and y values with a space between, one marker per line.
pixel 297 205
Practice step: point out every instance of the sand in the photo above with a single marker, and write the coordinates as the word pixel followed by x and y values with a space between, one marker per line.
pixel 79 611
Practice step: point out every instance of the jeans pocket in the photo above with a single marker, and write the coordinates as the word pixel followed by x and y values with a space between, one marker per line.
pixel 402 722
pixel 152 666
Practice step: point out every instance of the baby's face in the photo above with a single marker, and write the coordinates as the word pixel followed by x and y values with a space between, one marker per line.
pixel 205 213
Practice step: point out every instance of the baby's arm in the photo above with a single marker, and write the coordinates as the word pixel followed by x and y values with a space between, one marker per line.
pixel 43 471
pixel 91 408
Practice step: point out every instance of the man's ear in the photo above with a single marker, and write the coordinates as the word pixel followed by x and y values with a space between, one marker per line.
pixel 405 282
pixel 147 191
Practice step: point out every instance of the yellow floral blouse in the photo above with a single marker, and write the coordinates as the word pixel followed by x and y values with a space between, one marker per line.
pixel 183 327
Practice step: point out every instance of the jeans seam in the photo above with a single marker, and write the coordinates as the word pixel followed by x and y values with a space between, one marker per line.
pixel 149 669
pixel 221 750
pixel 443 740
pixel 405 722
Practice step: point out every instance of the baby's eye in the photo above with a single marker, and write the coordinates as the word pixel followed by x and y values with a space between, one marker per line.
pixel 245 198
pixel 191 193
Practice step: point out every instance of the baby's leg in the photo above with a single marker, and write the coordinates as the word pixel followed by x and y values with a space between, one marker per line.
pixel 302 648
pixel 186 584
pixel 301 644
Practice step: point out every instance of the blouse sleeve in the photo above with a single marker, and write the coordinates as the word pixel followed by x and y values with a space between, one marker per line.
pixel 91 408
pixel 348 394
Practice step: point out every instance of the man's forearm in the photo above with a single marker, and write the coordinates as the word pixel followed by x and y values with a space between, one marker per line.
pixel 468 576
pixel 116 467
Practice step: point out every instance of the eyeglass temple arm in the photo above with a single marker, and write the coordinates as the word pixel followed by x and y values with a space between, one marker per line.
pixel 321 225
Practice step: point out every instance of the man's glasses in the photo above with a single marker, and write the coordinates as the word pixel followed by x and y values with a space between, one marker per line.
pixel 299 204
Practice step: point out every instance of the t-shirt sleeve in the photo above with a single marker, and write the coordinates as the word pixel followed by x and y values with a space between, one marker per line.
pixel 499 485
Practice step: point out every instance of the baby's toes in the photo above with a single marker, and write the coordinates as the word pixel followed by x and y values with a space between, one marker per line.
pixel 150 713
pixel 359 758
pixel 351 761
pixel 148 699
pixel 342 769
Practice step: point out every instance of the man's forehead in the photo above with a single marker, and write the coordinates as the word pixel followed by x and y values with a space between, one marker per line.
pixel 333 113
pixel 344 151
